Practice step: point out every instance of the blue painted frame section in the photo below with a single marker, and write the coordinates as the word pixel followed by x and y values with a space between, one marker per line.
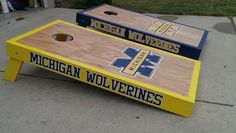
pixel 185 49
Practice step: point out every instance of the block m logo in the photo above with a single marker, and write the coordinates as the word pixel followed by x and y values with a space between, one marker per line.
pixel 138 62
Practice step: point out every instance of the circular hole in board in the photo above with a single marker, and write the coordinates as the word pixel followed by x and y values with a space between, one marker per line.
pixel 110 13
pixel 62 37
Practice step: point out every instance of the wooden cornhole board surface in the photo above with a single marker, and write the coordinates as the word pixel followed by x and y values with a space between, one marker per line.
pixel 142 73
pixel 169 36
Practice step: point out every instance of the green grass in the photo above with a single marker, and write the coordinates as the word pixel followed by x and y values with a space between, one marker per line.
pixel 181 7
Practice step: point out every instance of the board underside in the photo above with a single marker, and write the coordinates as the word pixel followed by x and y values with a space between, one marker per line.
pixel 171 73
pixel 175 34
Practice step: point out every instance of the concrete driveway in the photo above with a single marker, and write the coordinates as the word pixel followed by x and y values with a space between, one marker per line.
pixel 44 102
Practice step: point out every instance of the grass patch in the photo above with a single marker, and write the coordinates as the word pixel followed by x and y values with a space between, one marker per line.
pixel 82 4
pixel 181 7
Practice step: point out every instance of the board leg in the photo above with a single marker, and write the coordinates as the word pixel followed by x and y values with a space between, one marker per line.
pixel 12 69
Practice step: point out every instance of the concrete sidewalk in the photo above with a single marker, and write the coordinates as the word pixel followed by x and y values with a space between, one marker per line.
pixel 44 102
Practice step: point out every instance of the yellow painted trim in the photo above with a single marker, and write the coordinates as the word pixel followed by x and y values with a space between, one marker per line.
pixel 171 96
pixel 194 82
pixel 12 69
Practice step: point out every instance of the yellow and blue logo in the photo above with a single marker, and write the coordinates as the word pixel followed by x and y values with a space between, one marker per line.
pixel 139 62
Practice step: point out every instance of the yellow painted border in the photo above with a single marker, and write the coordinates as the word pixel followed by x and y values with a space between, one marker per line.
pixel 193 85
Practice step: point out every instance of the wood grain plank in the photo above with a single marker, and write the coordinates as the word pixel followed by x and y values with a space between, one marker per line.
pixel 98 50
pixel 185 34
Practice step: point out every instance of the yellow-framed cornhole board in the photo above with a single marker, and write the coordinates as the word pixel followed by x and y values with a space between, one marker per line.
pixel 157 78
pixel 170 36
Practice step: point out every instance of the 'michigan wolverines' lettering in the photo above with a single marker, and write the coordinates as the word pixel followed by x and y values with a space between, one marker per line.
pixel 95 79
pixel 135 36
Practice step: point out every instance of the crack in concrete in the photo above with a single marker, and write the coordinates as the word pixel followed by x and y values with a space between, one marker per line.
pixel 234 26
pixel 29 75
pixel 34 76
pixel 197 100
pixel 216 103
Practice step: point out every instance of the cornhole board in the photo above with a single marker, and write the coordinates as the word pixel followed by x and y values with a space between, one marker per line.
pixel 173 37
pixel 142 73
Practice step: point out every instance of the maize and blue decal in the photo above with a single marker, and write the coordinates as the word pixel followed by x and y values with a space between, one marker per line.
pixel 137 62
